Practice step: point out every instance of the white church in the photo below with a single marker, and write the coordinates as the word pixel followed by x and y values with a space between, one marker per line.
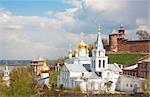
pixel 89 73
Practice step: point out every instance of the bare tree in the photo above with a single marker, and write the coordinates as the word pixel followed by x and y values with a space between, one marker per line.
pixel 108 85
pixel 143 34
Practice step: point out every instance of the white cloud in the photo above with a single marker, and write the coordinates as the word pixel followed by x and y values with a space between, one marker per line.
pixel 104 5
pixel 76 3
pixel 49 36
pixel 142 21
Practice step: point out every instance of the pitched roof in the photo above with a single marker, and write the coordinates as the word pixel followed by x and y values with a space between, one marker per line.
pixel 114 67
pixel 131 67
pixel 75 67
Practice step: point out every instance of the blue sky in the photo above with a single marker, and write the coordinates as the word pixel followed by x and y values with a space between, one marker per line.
pixel 33 7
pixel 46 28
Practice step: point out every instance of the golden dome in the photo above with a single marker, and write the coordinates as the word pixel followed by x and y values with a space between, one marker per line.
pixel 82 45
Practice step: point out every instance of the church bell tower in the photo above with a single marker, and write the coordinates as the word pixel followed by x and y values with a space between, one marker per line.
pixel 99 60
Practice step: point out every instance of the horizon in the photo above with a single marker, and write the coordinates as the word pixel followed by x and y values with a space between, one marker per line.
pixel 30 28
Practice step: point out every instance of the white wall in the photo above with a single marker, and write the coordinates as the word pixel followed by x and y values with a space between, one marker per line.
pixel 127 83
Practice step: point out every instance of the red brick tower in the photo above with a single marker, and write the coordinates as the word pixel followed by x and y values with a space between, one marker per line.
pixel 115 38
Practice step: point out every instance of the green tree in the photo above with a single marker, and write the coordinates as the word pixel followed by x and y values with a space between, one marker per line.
pixel 21 83
pixel 146 85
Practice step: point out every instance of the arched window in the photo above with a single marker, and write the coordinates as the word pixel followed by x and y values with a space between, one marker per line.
pixel 99 63
pixel 104 63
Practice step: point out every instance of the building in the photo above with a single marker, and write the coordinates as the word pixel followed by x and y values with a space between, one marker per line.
pixel 134 76
pixel 131 70
pixel 144 67
pixel 140 70
pixel 6 77
pixel 118 42
pixel 41 70
pixel 89 73
pixel 130 84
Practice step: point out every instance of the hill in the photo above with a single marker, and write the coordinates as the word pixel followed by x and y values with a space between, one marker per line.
pixel 124 58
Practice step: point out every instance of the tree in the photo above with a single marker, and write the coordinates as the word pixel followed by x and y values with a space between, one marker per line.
pixel 90 47
pixel 143 34
pixel 108 85
pixel 21 83
pixel 146 85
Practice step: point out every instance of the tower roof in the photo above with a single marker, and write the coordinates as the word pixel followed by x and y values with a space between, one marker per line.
pixel 113 31
pixel 122 26
pixel 99 44
pixel 99 29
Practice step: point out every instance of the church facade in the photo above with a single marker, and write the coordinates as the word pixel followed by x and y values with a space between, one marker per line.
pixel 89 73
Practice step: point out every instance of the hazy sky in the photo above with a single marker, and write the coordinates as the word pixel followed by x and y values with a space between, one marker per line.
pixel 46 28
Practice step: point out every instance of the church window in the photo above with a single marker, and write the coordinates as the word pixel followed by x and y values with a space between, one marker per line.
pixel 131 85
pixel 99 53
pixel 127 85
pixel 104 63
pixel 99 63
pixel 93 63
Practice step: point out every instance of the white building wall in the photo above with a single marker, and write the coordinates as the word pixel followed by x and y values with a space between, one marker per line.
pixel 128 83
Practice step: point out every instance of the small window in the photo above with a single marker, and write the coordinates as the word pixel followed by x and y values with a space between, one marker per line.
pixel 99 63
pixel 104 63
pixel 127 85
pixel 131 85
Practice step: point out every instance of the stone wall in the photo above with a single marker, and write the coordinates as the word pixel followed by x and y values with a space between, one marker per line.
pixel 134 46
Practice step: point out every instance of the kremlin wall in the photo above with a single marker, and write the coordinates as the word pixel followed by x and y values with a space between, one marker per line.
pixel 118 42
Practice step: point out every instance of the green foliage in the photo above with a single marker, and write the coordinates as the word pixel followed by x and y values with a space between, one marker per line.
pixel 124 58
pixel 146 85
pixel 21 84
pixel 53 77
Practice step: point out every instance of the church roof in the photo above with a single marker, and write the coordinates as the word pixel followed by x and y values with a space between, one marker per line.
pixel 75 68
pixel 93 75
pixel 114 31
pixel 114 67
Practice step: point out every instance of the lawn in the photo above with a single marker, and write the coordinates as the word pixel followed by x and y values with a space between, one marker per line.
pixel 124 58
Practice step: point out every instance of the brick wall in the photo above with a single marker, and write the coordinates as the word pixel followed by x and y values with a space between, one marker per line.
pixel 134 46
pixel 144 69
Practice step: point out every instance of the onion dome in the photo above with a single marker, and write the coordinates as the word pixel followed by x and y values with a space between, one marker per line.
pixel 82 45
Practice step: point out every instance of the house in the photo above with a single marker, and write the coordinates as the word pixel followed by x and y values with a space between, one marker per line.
pixel 144 67
pixel 41 70
pixel 129 83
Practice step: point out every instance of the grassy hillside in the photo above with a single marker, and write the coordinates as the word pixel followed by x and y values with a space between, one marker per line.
pixel 124 58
